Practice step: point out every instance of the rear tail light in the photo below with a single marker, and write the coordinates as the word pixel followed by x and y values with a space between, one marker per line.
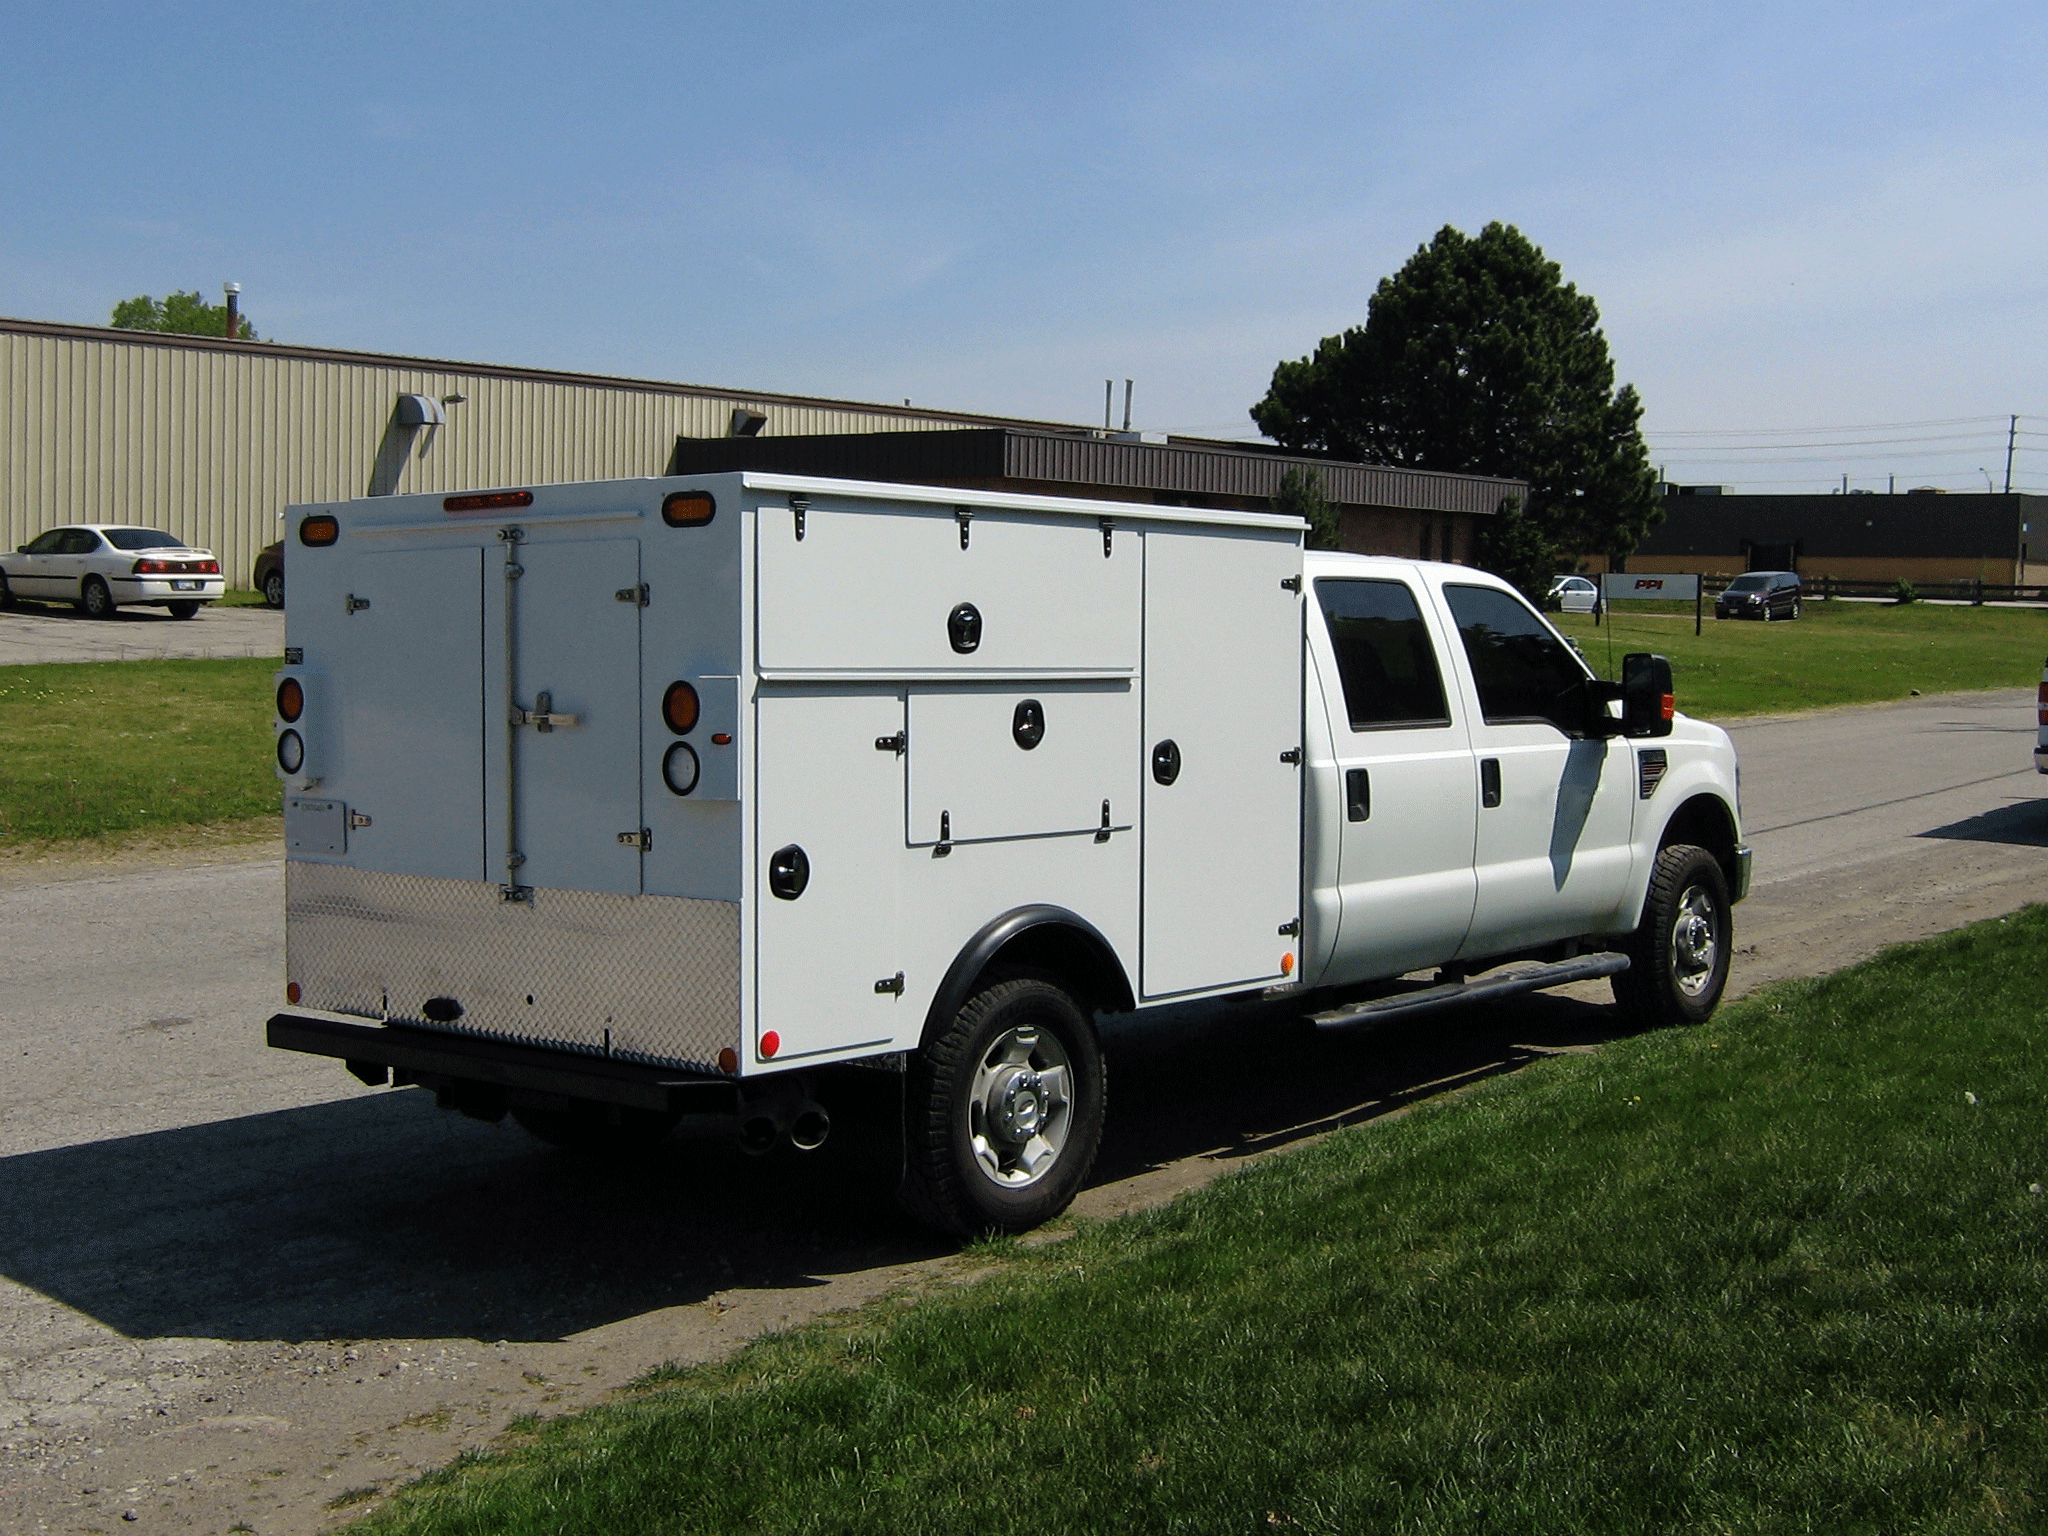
pixel 291 700
pixel 679 708
pixel 155 567
pixel 318 531
pixel 2041 701
pixel 206 567
pixel 291 751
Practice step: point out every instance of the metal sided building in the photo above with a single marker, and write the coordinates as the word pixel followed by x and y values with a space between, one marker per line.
pixel 210 439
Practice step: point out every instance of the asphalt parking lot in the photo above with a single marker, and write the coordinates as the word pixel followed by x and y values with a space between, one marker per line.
pixel 32 632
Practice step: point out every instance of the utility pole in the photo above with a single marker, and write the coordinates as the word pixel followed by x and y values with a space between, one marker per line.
pixel 2012 432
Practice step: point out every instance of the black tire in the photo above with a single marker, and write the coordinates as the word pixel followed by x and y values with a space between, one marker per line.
pixel 1678 955
pixel 1003 1110
pixel 184 610
pixel 273 589
pixel 94 600
pixel 1796 608
pixel 592 1132
pixel 6 592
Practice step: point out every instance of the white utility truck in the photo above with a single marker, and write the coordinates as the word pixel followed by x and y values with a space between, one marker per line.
pixel 612 803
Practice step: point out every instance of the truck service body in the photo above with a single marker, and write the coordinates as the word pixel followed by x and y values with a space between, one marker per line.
pixel 615 801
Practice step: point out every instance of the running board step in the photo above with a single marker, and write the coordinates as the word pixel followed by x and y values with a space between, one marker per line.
pixel 1379 1010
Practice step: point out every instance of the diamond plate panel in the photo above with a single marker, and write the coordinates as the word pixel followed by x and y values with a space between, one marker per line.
pixel 646 978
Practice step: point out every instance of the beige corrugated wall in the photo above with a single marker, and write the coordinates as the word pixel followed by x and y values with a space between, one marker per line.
pixel 211 441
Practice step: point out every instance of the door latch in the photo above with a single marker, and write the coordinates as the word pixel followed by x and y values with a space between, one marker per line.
pixel 1291 929
pixel 643 839
pixel 356 604
pixel 900 742
pixel 1291 755
pixel 542 716
pixel 637 594
pixel 891 985
pixel 357 820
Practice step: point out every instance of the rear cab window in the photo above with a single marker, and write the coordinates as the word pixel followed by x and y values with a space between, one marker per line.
pixel 1386 660
pixel 1523 673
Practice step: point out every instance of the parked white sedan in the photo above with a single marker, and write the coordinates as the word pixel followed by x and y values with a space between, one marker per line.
pixel 103 566
pixel 1574 594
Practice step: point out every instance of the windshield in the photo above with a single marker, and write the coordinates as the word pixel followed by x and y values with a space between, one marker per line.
pixel 140 538
pixel 1749 584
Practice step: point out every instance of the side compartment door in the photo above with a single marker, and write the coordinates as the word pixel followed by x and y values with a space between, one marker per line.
pixel 1222 718
pixel 829 806
pixel 1406 779
pixel 412 713
pixel 578 643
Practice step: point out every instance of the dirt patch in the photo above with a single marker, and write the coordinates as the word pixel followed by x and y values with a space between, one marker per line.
pixel 221 842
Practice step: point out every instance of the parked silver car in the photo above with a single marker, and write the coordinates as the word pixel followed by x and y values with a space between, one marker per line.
pixel 100 567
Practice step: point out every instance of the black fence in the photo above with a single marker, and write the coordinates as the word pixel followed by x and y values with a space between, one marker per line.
pixel 1963 591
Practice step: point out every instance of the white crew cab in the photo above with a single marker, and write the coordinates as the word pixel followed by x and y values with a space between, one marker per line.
pixel 611 802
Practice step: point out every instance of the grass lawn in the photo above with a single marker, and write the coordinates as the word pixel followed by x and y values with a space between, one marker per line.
pixel 1784 1273
pixel 120 746
pixel 1838 653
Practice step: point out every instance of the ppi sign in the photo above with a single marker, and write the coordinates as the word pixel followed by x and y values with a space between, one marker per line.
pixel 1622 587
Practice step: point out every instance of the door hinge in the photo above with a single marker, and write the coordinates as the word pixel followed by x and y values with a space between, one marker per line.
pixel 944 845
pixel 1290 583
pixel 1108 533
pixel 900 742
pixel 963 516
pixel 356 604
pixel 892 985
pixel 643 839
pixel 357 820
pixel 798 505
pixel 1291 755
pixel 1291 929
pixel 1102 832
pixel 633 594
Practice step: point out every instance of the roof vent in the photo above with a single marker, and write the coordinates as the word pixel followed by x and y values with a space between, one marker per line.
pixel 747 421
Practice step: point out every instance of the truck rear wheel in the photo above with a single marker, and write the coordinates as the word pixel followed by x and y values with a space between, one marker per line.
pixel 1678 955
pixel 592 1132
pixel 1004 1110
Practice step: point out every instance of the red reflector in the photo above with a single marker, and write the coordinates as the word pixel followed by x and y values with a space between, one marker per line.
pixel 688 509
pixel 722 739
pixel 1669 706
pixel 487 501
pixel 291 991
pixel 728 1061
pixel 291 700
pixel 770 1043
pixel 318 531
pixel 679 708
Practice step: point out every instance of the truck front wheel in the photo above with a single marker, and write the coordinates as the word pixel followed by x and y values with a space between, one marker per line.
pixel 1678 956
pixel 1004 1110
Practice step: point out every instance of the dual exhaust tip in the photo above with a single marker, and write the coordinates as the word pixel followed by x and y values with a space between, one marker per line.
pixel 802 1122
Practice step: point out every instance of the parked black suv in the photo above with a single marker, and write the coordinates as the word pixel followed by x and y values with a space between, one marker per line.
pixel 1760 595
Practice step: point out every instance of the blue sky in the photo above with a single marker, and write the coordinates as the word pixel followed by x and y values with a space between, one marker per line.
pixel 1795 217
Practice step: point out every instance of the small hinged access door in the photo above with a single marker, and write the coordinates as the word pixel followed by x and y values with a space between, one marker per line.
pixel 571 716
pixel 1222 712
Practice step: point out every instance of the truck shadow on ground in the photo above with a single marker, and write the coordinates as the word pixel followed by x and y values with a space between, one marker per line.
pixel 379 1216
pixel 2023 823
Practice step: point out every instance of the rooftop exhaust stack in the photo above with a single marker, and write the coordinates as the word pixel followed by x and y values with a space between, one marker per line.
pixel 234 293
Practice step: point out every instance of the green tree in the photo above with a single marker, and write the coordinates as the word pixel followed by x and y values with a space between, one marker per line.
pixel 1301 493
pixel 1478 357
pixel 186 313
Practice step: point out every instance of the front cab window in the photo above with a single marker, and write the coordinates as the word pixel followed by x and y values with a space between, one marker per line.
pixel 1524 673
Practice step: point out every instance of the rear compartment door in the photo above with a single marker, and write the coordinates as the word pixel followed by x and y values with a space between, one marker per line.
pixel 577 781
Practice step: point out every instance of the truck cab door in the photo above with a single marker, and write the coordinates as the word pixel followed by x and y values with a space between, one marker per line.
pixel 1556 806
pixel 1404 779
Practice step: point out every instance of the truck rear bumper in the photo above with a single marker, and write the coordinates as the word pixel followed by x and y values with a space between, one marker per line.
pixel 411 1055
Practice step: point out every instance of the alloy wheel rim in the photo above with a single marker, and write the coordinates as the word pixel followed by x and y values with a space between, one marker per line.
pixel 1695 941
pixel 1020 1109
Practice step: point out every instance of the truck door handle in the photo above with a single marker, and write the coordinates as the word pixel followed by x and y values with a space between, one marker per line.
pixel 1166 761
pixel 1489 781
pixel 542 716
pixel 1357 794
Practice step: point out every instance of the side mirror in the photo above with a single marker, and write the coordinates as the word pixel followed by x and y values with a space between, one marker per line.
pixel 1646 701
pixel 21 549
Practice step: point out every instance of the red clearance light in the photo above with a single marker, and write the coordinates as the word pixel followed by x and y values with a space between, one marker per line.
pixel 770 1043
pixel 291 700
pixel 679 708
pixel 688 509
pixel 319 530
pixel 291 992
pixel 721 739
pixel 487 501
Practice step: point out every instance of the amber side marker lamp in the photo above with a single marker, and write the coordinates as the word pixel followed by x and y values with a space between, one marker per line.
pixel 679 708
pixel 291 700
pixel 688 509
pixel 319 530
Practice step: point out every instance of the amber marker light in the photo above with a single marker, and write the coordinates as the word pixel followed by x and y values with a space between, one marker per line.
pixel 487 501
pixel 679 708
pixel 688 509
pixel 721 738
pixel 291 700
pixel 770 1043
pixel 319 530
pixel 291 992
pixel 1287 965
pixel 729 1061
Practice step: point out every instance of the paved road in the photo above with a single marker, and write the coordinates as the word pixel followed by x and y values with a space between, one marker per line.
pixel 233 1284
pixel 31 632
